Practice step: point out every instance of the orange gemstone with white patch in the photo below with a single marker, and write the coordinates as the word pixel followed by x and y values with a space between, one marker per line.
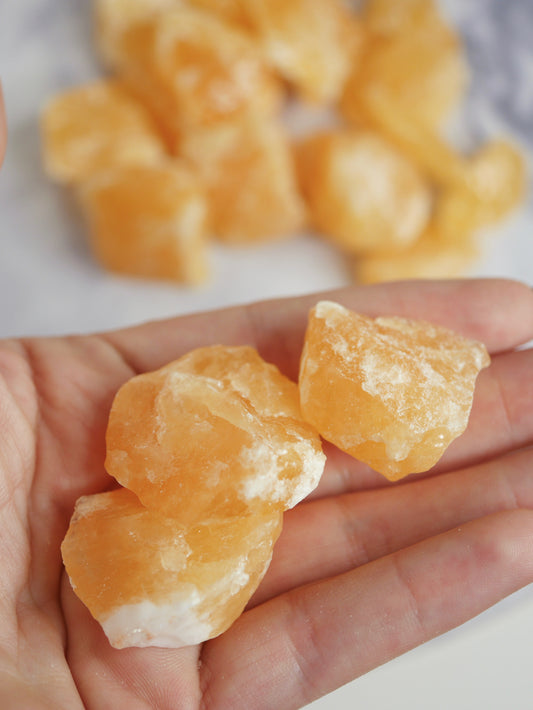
pixel 391 392
pixel 218 432
pixel 151 581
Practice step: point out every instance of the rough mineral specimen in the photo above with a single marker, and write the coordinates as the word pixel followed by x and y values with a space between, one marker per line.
pixel 314 44
pixel 361 192
pixel 148 221
pixel 96 127
pixel 430 257
pixel 414 56
pixel 193 70
pixel 391 392
pixel 247 168
pixel 216 433
pixel 151 581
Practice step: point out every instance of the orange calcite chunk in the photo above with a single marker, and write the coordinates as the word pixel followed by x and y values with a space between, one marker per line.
pixel 429 258
pixel 195 70
pixel 94 127
pixel 362 193
pixel 151 581
pixel 232 11
pixel 386 18
pixel 217 432
pixel 114 17
pixel 414 56
pixel 391 392
pixel 312 43
pixel 247 168
pixel 148 221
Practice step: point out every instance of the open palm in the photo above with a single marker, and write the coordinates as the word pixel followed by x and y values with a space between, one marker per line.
pixel 363 571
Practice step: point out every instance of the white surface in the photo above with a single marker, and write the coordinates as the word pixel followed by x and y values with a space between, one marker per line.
pixel 49 284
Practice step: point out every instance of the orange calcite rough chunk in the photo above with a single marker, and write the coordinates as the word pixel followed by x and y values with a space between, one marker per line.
pixel 195 70
pixel 247 168
pixel 217 432
pixel 148 221
pixel 362 193
pixel 391 392
pixel 114 17
pixel 429 258
pixel 386 18
pixel 94 127
pixel 151 581
pixel 414 56
pixel 312 43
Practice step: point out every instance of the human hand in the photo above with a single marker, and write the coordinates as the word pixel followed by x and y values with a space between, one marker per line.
pixel 363 571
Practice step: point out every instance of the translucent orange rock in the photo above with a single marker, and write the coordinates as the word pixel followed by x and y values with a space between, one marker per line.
pixel 150 581
pixel 391 392
pixel 148 221
pixel 248 171
pixel 217 432
pixel 386 18
pixel 361 193
pixel 312 43
pixel 195 70
pixel 95 127
pixel 429 258
pixel 114 17
pixel 232 11
pixel 414 56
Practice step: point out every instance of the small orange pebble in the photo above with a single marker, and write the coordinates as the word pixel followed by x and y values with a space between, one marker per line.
pixel 194 70
pixel 151 581
pixel 233 11
pixel 428 258
pixel 391 392
pixel 217 432
pixel 148 221
pixel 386 18
pixel 114 17
pixel 247 168
pixel 95 127
pixel 313 44
pixel 414 56
pixel 361 192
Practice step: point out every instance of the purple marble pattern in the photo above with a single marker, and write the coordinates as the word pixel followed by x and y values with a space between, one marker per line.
pixel 498 36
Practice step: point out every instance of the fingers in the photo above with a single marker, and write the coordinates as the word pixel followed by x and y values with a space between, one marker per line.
pixel 324 538
pixel 498 312
pixel 502 417
pixel 304 644
pixel 132 678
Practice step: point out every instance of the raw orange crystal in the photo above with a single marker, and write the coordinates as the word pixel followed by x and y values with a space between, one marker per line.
pixel 361 192
pixel 414 56
pixel 391 392
pixel 114 17
pixel 430 257
pixel 195 70
pixel 215 433
pixel 148 221
pixel 151 581
pixel 312 43
pixel 95 127
pixel 247 168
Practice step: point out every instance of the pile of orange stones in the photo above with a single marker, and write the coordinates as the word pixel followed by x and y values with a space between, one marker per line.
pixel 211 449
pixel 188 142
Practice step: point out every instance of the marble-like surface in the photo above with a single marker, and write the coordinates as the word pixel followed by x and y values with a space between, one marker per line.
pixel 49 284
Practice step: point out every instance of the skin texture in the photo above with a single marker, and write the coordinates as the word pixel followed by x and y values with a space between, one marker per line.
pixel 364 570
